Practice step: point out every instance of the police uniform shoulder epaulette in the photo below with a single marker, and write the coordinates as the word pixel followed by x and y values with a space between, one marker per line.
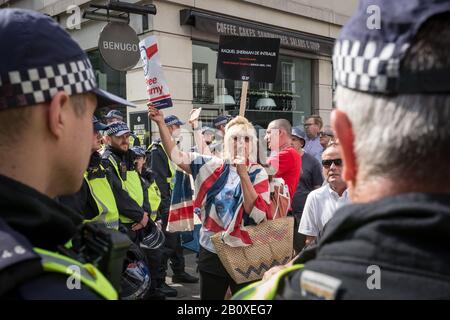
pixel 319 286
pixel 106 154
pixel 18 261
pixel 155 145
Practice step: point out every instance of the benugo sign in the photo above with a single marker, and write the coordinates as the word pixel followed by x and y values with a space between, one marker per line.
pixel 119 46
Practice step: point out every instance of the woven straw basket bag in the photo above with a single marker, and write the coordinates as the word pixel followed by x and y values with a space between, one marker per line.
pixel 272 246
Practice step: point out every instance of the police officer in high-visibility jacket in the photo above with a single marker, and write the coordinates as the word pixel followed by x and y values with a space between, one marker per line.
pixel 118 159
pixel 101 198
pixel 153 193
pixel 48 94
pixel 154 254
pixel 164 173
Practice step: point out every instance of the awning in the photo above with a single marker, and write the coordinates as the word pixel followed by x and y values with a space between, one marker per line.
pixel 225 25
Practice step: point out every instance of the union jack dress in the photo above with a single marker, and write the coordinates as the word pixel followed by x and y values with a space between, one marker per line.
pixel 210 176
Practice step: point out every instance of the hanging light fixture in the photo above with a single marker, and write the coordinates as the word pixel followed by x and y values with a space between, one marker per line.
pixel 224 98
pixel 265 103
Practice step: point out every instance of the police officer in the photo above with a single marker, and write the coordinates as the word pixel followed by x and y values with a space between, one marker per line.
pixel 160 164
pixel 101 197
pixel 117 116
pixel 114 116
pixel 393 106
pixel 154 253
pixel 118 159
pixel 48 94
pixel 219 123
pixel 95 200
pixel 154 195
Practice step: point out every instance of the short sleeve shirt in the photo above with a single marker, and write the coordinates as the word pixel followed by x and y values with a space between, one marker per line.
pixel 287 164
pixel 320 207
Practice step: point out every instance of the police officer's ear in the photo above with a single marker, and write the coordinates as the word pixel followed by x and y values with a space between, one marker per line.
pixel 343 127
pixel 107 139
pixel 58 113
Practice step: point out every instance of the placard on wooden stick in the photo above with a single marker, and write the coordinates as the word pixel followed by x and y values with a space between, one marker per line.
pixel 247 59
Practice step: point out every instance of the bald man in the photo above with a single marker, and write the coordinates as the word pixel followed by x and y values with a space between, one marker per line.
pixel 284 158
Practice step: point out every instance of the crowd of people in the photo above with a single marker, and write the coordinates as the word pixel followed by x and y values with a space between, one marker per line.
pixel 232 159
pixel 370 190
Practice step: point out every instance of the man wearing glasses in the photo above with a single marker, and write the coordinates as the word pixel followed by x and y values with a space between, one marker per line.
pixel 322 203
pixel 313 124
pixel 326 136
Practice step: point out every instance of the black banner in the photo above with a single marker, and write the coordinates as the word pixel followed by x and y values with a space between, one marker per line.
pixel 290 39
pixel 139 124
pixel 247 58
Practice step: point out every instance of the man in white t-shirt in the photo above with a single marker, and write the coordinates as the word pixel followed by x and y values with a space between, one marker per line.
pixel 322 203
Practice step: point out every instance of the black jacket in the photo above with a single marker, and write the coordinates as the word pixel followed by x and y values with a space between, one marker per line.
pixel 124 202
pixel 158 163
pixel 407 237
pixel 84 204
pixel 32 219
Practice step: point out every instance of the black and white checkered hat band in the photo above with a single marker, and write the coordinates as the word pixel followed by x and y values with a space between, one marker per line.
pixel 172 122
pixel 371 66
pixel 224 121
pixel 115 128
pixel 40 84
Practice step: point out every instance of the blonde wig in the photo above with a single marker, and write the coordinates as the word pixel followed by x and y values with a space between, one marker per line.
pixel 240 127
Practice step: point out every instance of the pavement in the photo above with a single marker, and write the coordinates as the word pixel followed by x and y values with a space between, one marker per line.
pixel 186 291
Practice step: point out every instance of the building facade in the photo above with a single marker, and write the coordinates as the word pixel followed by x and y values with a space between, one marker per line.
pixel 188 35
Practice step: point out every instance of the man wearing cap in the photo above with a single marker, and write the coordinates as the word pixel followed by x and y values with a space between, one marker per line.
pixel 117 116
pixel 310 179
pixel 119 160
pixel 164 171
pixel 220 122
pixel 203 138
pixel 208 135
pixel 101 199
pixel 95 200
pixel 101 191
pixel 393 106
pixel 113 116
pixel 153 196
pixel 48 94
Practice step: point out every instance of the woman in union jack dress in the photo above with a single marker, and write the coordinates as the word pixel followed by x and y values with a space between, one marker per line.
pixel 229 193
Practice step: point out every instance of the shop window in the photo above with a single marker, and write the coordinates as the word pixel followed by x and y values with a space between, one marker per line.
pixel 108 79
pixel 203 91
pixel 289 97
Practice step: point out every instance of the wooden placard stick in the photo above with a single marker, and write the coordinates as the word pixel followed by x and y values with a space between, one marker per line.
pixel 243 98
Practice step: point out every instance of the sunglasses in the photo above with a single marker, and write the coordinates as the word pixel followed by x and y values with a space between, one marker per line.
pixel 246 138
pixel 328 163
pixel 322 134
